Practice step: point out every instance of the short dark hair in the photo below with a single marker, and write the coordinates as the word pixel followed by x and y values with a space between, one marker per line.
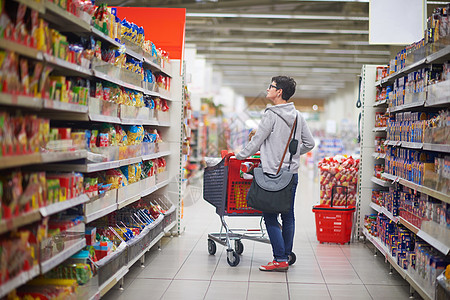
pixel 287 84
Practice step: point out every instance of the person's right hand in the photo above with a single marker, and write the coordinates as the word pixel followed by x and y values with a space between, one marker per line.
pixel 251 134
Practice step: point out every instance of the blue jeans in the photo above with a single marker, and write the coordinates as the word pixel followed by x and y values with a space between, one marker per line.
pixel 282 239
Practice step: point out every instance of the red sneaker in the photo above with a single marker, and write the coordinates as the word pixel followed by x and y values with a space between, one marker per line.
pixel 275 266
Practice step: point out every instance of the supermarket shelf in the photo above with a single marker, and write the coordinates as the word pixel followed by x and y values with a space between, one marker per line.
pixel 152 243
pixel 379 129
pixel 104 37
pixel 375 242
pixel 435 235
pixel 19 100
pixel 134 54
pixel 170 226
pixel 60 206
pixel 390 177
pixel 413 66
pixel 94 167
pixel 156 67
pixel 148 191
pixel 377 155
pixel 105 287
pixel 437 56
pixel 17 281
pixel 21 49
pixel 443 53
pixel 407 106
pixel 100 213
pixel 103 76
pixel 417 287
pixel 165 124
pixel 129 161
pixel 408 225
pixel 380 182
pixel 162 184
pixel 432 233
pixel 412 145
pixel 103 118
pixel 38 6
pixel 155 155
pixel 426 190
pixel 67 66
pixel 128 201
pixel 49 157
pixel 71 107
pixel 418 187
pixel 150 122
pixel 380 103
pixel 437 147
pixel 126 121
pixel 64 19
pixel 62 256
pixel 443 284
pixel 383 249
pixel 393 143
pixel 384 211
pixel 19 160
pixel 16 222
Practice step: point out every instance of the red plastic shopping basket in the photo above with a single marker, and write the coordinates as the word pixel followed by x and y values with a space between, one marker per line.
pixel 334 224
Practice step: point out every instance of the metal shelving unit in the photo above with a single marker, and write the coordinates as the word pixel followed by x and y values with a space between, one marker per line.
pixel 436 236
pixel 70 161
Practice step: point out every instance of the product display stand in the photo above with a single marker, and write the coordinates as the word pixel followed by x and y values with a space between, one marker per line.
pixel 112 268
pixel 435 235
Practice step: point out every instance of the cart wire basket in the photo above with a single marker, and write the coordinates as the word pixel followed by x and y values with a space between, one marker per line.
pixel 334 223
pixel 224 188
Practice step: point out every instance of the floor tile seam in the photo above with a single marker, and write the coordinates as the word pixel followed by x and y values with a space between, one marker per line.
pixel 315 257
pixel 321 272
pixel 250 271
pixel 368 291
pixel 187 257
pixel 212 275
pixel 287 286
pixel 353 267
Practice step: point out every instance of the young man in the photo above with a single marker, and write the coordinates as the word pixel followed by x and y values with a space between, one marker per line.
pixel 270 139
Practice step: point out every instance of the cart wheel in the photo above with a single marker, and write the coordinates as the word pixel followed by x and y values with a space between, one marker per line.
pixel 233 258
pixel 238 246
pixel 211 247
pixel 292 258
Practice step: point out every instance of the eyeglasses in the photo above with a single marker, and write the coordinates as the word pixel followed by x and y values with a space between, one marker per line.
pixel 273 86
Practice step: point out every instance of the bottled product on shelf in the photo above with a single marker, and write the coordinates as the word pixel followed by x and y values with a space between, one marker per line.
pixel 412 146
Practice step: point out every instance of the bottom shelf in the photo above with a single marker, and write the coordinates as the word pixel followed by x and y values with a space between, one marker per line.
pixel 113 280
pixel 17 281
pixel 403 273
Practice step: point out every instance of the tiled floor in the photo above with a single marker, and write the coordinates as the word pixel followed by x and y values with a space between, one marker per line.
pixel 183 269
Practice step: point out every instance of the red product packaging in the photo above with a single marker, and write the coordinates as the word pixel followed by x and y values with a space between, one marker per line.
pixel 65 133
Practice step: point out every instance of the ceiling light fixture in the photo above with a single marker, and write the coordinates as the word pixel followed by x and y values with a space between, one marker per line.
pixel 273 16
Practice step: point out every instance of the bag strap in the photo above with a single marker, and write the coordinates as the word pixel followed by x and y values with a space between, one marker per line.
pixel 295 132
pixel 287 145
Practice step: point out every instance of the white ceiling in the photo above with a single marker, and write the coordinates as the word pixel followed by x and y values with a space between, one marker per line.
pixel 322 44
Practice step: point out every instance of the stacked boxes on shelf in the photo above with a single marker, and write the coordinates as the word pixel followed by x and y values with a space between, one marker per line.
pixel 87 76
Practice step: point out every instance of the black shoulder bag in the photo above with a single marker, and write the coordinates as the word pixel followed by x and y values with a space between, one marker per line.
pixel 273 193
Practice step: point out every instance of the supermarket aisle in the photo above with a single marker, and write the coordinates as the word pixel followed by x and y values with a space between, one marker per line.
pixel 185 270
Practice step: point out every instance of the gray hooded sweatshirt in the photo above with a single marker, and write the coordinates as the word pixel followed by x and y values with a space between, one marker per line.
pixel 272 136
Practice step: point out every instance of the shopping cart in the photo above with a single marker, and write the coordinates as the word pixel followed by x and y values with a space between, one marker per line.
pixel 224 188
pixel 334 223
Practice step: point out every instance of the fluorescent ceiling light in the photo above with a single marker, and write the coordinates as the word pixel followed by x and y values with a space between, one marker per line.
pixel 273 16
pixel 293 50
pixel 292 57
pixel 264 41
pixel 276 29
